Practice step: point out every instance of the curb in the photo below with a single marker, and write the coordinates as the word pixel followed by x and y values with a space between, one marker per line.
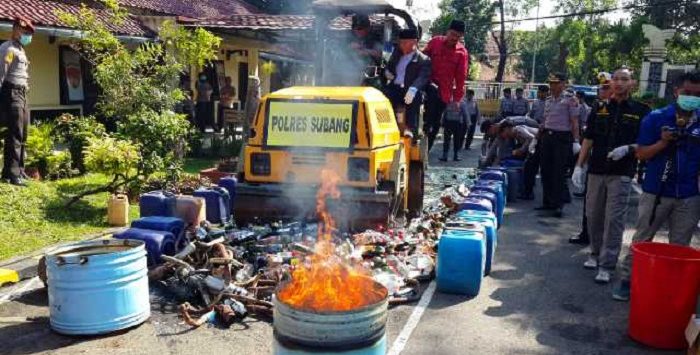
pixel 25 267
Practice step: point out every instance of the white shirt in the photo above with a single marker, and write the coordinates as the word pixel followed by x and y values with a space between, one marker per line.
pixel 401 68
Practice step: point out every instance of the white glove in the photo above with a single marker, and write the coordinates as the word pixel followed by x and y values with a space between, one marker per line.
pixel 619 153
pixel 410 95
pixel 532 146
pixel 576 147
pixel 389 75
pixel 578 177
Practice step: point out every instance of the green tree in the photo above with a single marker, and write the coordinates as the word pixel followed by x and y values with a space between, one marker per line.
pixel 139 88
pixel 476 14
pixel 585 31
pixel 681 15
pixel 564 48
pixel 543 44
pixel 504 38
pixel 685 50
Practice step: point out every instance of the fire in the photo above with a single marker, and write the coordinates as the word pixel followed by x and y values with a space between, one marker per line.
pixel 325 282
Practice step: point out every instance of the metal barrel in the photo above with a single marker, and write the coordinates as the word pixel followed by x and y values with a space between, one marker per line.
pixel 98 287
pixel 329 331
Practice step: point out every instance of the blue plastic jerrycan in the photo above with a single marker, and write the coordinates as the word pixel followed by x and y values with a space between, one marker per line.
pixel 489 224
pixel 461 259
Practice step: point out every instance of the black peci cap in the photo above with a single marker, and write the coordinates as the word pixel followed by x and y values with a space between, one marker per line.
pixel 408 33
pixel 360 22
pixel 457 25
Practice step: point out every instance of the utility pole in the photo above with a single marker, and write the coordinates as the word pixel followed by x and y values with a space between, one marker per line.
pixel 537 43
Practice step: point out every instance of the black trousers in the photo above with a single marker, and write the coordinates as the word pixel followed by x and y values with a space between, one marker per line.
pixel 530 170
pixel 470 132
pixel 396 95
pixel 205 115
pixel 434 108
pixel 14 115
pixel 555 157
pixel 453 131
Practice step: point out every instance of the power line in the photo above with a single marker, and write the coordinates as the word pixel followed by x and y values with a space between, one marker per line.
pixel 592 12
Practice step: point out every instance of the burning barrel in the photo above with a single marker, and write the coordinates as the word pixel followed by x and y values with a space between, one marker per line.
pixel 330 305
pixel 354 331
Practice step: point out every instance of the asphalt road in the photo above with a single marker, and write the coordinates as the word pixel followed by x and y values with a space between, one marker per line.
pixel 538 300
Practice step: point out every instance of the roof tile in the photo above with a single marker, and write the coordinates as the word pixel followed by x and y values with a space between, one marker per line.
pixel 43 13
pixel 275 22
pixel 194 8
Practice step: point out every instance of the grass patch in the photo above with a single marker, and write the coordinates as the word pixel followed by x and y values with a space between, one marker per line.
pixel 34 217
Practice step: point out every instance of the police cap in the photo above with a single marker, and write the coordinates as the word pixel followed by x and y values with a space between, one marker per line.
pixel 24 23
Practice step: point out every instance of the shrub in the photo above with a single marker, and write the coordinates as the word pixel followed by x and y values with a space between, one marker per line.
pixel 58 165
pixel 112 157
pixel 75 132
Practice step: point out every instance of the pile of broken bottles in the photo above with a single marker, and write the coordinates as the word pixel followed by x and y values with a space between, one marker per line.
pixel 224 275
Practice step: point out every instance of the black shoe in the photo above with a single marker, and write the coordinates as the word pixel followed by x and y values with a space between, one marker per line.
pixel 579 194
pixel 457 159
pixel 558 213
pixel 579 239
pixel 544 208
pixel 467 148
pixel 443 159
pixel 527 197
pixel 553 213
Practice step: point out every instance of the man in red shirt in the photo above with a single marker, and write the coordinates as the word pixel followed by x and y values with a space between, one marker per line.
pixel 450 61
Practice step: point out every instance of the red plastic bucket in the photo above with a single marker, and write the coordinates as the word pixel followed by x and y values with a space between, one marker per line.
pixel 665 287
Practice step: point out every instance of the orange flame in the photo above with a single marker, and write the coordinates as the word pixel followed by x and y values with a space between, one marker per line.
pixel 325 282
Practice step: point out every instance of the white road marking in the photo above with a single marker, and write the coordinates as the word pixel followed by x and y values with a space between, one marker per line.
pixel 27 287
pixel 412 323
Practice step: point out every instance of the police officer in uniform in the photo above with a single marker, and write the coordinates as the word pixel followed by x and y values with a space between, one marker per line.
pixel 505 109
pixel 560 137
pixel 610 142
pixel 520 105
pixel 14 83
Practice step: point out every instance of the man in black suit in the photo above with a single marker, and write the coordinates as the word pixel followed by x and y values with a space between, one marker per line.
pixel 408 72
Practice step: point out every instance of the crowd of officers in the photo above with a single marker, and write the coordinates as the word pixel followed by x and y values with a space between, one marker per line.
pixel 601 148
pixel 599 144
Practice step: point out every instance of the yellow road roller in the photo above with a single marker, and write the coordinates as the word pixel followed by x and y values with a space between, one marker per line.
pixel 352 131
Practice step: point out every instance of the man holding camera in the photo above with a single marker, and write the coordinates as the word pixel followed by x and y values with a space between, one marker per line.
pixel 609 141
pixel 669 141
